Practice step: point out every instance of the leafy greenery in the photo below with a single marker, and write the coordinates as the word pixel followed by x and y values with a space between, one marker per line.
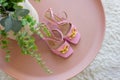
pixel 28 20
pixel 28 47
pixel 21 12
pixel 14 18
pixel 9 5
pixel 46 31
pixel 12 22
pixel 26 43
pixel 4 44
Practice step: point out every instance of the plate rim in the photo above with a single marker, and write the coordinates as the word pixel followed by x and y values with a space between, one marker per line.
pixel 76 70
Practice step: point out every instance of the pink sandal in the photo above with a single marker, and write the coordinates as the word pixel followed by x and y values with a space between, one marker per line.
pixel 69 31
pixel 57 45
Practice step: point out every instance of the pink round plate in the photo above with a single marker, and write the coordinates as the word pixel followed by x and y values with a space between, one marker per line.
pixel 88 16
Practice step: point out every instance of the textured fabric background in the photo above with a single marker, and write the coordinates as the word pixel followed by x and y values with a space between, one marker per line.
pixel 106 66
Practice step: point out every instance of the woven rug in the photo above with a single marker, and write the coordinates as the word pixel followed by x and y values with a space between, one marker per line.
pixel 106 66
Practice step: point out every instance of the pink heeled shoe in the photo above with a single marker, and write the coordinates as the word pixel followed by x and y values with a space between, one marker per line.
pixel 69 31
pixel 57 44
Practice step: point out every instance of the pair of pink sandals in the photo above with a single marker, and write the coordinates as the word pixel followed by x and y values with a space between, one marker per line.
pixel 62 33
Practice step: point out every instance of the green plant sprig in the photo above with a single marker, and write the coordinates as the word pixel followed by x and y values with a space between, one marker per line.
pixel 27 42
pixel 28 47
pixel 4 44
